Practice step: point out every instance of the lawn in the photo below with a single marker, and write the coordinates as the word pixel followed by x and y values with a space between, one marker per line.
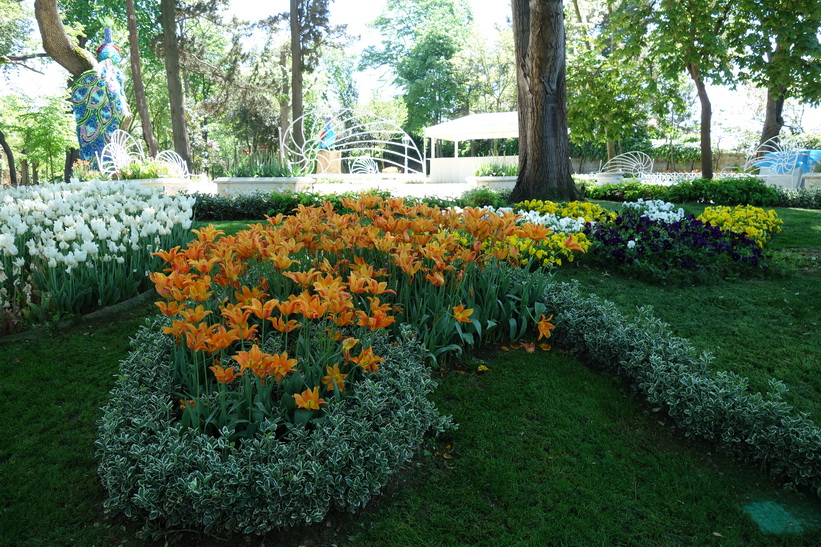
pixel 547 450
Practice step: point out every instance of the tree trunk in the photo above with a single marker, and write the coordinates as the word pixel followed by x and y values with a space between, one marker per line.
pixel 139 88
pixel 72 155
pixel 24 172
pixel 706 121
pixel 296 76
pixel 774 115
pixel 283 103
pixel 179 125
pixel 10 157
pixel 544 163
pixel 57 43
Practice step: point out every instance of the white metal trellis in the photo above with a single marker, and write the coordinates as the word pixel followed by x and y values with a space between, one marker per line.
pixel 356 135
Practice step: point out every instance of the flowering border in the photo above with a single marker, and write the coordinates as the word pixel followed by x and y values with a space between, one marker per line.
pixel 170 475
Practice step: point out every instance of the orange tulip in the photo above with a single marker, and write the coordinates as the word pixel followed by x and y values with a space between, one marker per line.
pixel 196 315
pixel 436 279
pixel 544 326
pixel 572 244
pixel 461 314
pixel 171 308
pixel 367 360
pixel 225 375
pixel 260 310
pixel 334 379
pixel 279 365
pixel 282 326
pixel 309 399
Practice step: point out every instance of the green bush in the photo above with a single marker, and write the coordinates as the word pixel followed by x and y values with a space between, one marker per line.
pixel 726 191
pixel 148 169
pixel 497 170
pixel 484 197
pixel 803 198
pixel 667 371
pixel 172 476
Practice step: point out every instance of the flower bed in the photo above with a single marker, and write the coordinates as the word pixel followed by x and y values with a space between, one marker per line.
pixel 71 248
pixel 752 222
pixel 280 329
pixel 656 242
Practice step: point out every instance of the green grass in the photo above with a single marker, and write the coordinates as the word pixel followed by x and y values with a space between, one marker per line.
pixel 547 452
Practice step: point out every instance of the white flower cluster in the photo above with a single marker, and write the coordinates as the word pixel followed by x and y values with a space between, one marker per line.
pixel 655 209
pixel 565 225
pixel 65 225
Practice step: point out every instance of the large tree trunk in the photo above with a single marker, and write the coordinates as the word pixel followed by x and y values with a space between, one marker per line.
pixel 774 114
pixel 296 76
pixel 706 122
pixel 544 163
pixel 10 157
pixel 139 88
pixel 57 43
pixel 179 126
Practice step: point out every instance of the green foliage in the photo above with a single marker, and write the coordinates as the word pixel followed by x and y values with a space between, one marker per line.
pixel 420 41
pixel 147 169
pixel 43 132
pixel 732 191
pixel 497 170
pixel 262 163
pixel 668 372
pixel 804 198
pixel 15 25
pixel 170 475
pixel 776 52
pixel 430 81
pixel 256 206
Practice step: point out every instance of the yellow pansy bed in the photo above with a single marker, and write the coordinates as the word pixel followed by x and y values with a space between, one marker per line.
pixel 754 222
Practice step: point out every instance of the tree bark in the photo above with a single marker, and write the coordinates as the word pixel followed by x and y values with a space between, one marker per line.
pixel 57 43
pixel 297 109
pixel 139 88
pixel 72 155
pixel 10 157
pixel 774 114
pixel 179 125
pixel 283 102
pixel 706 121
pixel 544 163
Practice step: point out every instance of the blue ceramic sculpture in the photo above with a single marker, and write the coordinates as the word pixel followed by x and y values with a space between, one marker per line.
pixel 99 102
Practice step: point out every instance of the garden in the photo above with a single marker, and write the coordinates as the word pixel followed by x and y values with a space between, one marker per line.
pixel 367 369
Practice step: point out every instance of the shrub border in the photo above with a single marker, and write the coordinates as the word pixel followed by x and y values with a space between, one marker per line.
pixel 170 476
pixel 713 405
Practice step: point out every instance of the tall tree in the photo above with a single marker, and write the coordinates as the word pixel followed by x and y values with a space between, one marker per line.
pixel 777 47
pixel 420 42
pixel 544 162
pixel 684 35
pixel 311 30
pixel 136 76
pixel 182 144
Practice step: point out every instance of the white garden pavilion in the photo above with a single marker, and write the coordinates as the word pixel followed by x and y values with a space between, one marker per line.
pixel 497 125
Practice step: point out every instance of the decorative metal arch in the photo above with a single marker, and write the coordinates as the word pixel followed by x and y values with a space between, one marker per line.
pixel 777 154
pixel 123 150
pixel 361 140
